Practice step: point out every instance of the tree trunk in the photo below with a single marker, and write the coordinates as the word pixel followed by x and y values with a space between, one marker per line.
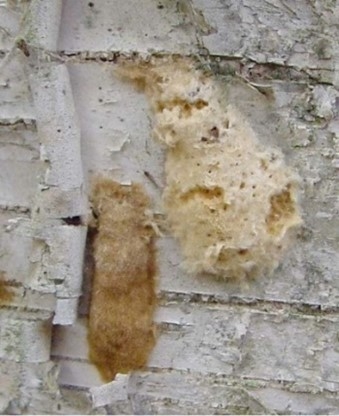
pixel 241 346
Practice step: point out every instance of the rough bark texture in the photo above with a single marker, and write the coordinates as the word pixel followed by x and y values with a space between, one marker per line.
pixel 266 346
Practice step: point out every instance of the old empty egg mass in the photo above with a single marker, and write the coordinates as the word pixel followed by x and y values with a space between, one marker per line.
pixel 230 200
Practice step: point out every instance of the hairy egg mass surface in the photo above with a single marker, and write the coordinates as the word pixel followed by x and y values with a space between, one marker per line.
pixel 230 200
pixel 121 332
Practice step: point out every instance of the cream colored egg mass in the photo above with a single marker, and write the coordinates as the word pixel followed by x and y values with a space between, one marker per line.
pixel 230 200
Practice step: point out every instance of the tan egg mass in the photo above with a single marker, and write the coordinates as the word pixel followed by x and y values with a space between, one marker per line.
pixel 230 200
pixel 121 332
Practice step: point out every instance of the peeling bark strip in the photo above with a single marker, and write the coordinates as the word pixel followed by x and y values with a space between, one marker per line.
pixel 121 330
pixel 230 199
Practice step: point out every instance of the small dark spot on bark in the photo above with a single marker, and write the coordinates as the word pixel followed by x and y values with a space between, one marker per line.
pixel 90 4
pixel 73 220
pixel 22 45
pixel 214 132
pixel 150 177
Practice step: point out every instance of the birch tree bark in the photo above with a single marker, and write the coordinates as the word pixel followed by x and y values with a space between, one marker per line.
pixel 267 346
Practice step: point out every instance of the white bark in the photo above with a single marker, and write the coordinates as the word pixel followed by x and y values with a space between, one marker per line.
pixel 269 346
